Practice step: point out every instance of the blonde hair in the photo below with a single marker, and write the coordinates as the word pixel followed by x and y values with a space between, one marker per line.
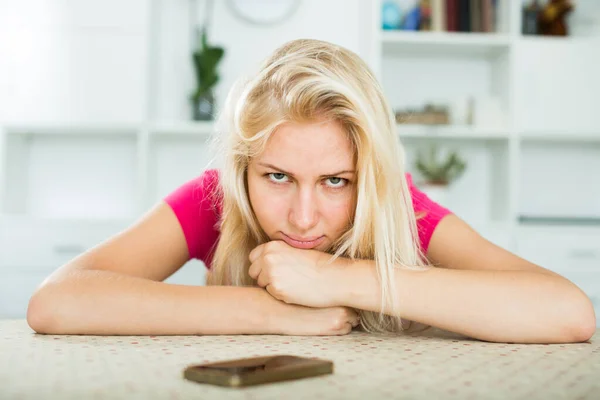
pixel 302 81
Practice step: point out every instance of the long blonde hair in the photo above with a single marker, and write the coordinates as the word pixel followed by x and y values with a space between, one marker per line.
pixel 302 81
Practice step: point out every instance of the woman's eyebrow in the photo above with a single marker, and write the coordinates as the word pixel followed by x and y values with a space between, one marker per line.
pixel 290 174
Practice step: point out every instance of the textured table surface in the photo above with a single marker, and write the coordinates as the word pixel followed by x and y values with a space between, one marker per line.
pixel 430 365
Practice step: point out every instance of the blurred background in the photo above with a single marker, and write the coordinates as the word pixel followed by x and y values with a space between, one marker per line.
pixel 107 106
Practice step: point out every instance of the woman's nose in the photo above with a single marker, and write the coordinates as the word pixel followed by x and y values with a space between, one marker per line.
pixel 304 212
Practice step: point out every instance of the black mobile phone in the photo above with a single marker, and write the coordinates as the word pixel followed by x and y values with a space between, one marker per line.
pixel 257 370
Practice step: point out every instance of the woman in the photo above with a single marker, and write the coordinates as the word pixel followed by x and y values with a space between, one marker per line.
pixel 310 227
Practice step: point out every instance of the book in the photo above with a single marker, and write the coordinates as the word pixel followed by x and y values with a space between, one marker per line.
pixel 475 15
pixel 464 16
pixel 452 15
pixel 438 15
pixel 486 16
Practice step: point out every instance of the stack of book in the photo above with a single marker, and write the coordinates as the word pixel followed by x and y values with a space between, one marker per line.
pixel 465 15
pixel 447 16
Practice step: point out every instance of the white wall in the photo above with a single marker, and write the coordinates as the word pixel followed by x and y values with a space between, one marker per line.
pixel 67 60
pixel 85 60
pixel 246 45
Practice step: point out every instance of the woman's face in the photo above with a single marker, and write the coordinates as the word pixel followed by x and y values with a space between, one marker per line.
pixel 302 187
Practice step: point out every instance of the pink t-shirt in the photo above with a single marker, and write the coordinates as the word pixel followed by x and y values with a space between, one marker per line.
pixel 198 214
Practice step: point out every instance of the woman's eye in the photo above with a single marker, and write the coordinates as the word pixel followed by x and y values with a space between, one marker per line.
pixel 277 177
pixel 333 182
pixel 337 182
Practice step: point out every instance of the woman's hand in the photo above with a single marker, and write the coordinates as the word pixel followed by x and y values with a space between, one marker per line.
pixel 307 321
pixel 293 275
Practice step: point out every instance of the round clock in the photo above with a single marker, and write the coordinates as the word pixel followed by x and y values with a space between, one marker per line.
pixel 264 12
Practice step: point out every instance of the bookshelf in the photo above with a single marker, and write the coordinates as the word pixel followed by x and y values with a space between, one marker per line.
pixel 531 170
pixel 65 187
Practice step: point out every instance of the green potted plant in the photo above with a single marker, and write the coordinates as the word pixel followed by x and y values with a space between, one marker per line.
pixel 438 172
pixel 206 58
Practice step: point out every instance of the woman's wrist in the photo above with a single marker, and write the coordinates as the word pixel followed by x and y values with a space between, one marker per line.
pixel 354 283
pixel 340 277
pixel 274 313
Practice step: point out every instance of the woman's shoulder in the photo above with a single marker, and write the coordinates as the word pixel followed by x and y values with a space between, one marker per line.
pixel 197 207
pixel 429 213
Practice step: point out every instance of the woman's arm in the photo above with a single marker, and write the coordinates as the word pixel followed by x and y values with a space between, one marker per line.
pixel 96 302
pixel 481 291
pixel 496 306
pixel 108 303
pixel 116 288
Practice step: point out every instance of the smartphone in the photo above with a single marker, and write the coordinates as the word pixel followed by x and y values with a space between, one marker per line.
pixel 257 370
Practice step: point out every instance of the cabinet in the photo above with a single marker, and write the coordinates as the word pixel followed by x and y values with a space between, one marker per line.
pixel 572 252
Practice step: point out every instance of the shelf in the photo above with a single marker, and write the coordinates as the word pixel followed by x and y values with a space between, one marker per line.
pixel 481 194
pixel 446 43
pixel 537 220
pixel 162 128
pixel 182 128
pixel 205 129
pixel 550 136
pixel 92 129
pixel 454 132
pixel 89 171
pixel 548 39
pixel 17 219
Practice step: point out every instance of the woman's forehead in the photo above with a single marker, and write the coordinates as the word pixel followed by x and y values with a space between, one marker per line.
pixel 316 147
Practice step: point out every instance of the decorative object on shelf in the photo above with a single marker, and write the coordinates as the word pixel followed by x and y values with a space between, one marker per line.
pixel 551 18
pixel 486 111
pixel 264 12
pixel 470 110
pixel 429 115
pixel 391 15
pixel 462 110
pixel 412 19
pixel 206 59
pixel 530 16
pixel 438 173
pixel 425 13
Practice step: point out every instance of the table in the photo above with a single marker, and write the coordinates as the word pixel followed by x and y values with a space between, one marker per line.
pixel 434 364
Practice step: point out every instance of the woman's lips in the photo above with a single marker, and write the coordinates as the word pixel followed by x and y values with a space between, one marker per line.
pixel 303 244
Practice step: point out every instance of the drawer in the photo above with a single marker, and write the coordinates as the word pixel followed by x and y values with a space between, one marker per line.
pixel 561 250
pixel 29 244
pixel 588 281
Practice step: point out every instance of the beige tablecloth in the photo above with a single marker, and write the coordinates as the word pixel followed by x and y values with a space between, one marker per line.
pixel 430 365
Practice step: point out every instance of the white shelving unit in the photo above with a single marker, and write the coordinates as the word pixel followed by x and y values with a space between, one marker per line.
pixel 66 187
pixel 529 185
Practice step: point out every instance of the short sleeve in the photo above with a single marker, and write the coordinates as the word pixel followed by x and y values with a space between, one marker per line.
pixel 432 213
pixel 194 205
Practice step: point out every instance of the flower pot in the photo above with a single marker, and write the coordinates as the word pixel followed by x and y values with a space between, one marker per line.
pixel 437 192
pixel 204 107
